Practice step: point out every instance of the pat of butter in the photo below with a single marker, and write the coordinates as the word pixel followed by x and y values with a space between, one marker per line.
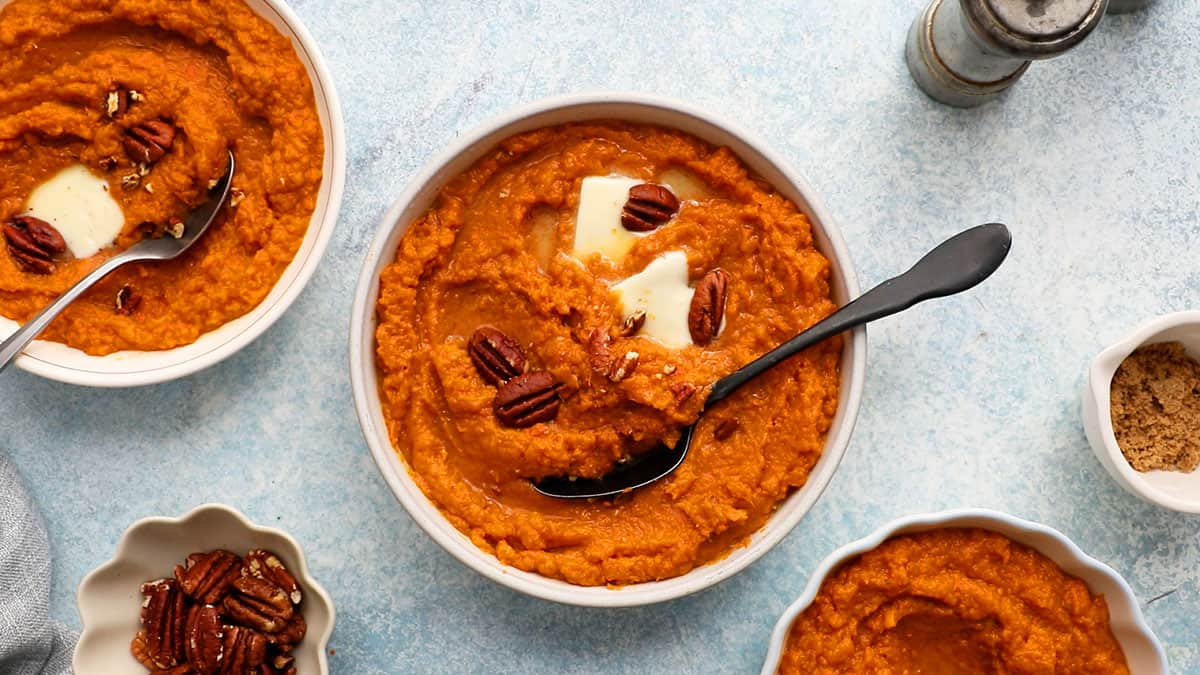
pixel 661 290
pixel 77 204
pixel 598 226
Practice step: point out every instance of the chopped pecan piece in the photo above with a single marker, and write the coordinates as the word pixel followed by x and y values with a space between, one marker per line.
pixel 528 399
pixel 648 207
pixel 683 391
pixel 624 366
pixel 599 349
pixel 725 428
pixel 208 576
pixel 160 643
pixel 127 301
pixel 116 102
pixel 150 141
pixel 633 323
pixel 497 357
pixel 205 647
pixel 259 604
pixel 708 307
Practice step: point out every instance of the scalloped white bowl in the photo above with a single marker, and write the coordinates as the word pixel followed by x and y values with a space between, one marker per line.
pixel 1143 652
pixel 57 361
pixel 110 599
pixel 1169 489
pixel 461 154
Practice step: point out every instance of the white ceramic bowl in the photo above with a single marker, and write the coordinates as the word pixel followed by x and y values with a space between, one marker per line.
pixel 417 198
pixel 1142 650
pixel 131 368
pixel 1169 489
pixel 110 597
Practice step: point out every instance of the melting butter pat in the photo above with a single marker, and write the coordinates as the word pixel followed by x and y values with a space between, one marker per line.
pixel 661 290
pixel 77 203
pixel 598 226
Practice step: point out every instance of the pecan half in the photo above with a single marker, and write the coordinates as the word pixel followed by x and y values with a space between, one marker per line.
pixel 33 243
pixel 648 207
pixel 291 634
pixel 245 650
pixel 205 647
pixel 708 307
pixel 624 366
pixel 497 357
pixel 160 644
pixel 633 323
pixel 208 576
pixel 150 141
pixel 268 566
pixel 258 603
pixel 528 399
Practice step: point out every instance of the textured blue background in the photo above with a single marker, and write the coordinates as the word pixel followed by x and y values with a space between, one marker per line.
pixel 1094 160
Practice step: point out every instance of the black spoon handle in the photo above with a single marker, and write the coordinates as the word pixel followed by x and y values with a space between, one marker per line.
pixel 958 264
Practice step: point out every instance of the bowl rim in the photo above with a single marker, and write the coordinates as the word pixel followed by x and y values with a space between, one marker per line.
pixel 301 571
pixel 324 91
pixel 399 479
pixel 1100 375
pixel 947 519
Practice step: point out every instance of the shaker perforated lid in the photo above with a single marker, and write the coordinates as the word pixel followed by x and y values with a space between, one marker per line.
pixel 1033 29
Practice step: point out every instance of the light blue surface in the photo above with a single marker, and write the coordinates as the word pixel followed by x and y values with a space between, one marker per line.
pixel 1094 160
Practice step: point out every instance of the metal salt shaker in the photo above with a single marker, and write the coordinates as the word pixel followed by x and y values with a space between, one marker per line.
pixel 967 52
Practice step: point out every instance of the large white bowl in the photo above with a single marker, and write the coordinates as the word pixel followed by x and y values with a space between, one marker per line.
pixel 133 368
pixel 1143 652
pixel 417 198
pixel 110 599
pixel 1169 489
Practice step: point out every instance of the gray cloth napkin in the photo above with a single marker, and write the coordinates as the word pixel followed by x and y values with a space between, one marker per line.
pixel 29 642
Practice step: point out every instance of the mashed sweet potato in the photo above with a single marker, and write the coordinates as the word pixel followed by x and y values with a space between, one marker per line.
pixel 953 602
pixel 495 248
pixel 225 78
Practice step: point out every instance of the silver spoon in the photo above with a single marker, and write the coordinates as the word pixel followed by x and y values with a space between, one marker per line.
pixel 195 224
pixel 958 264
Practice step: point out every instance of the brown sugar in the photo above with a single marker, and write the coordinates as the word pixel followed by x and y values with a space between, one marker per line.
pixel 1156 408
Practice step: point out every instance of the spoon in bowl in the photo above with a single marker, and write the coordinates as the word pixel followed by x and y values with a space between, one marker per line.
pixel 956 265
pixel 195 224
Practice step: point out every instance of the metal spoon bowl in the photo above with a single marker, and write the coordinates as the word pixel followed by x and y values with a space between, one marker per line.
pixel 195 224
pixel 958 264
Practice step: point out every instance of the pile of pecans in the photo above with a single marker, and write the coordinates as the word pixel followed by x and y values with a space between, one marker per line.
pixel 222 615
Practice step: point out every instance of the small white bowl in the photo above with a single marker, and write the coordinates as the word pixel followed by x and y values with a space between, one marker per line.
pixel 110 599
pixel 57 361
pixel 1143 652
pixel 1170 489
pixel 416 199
